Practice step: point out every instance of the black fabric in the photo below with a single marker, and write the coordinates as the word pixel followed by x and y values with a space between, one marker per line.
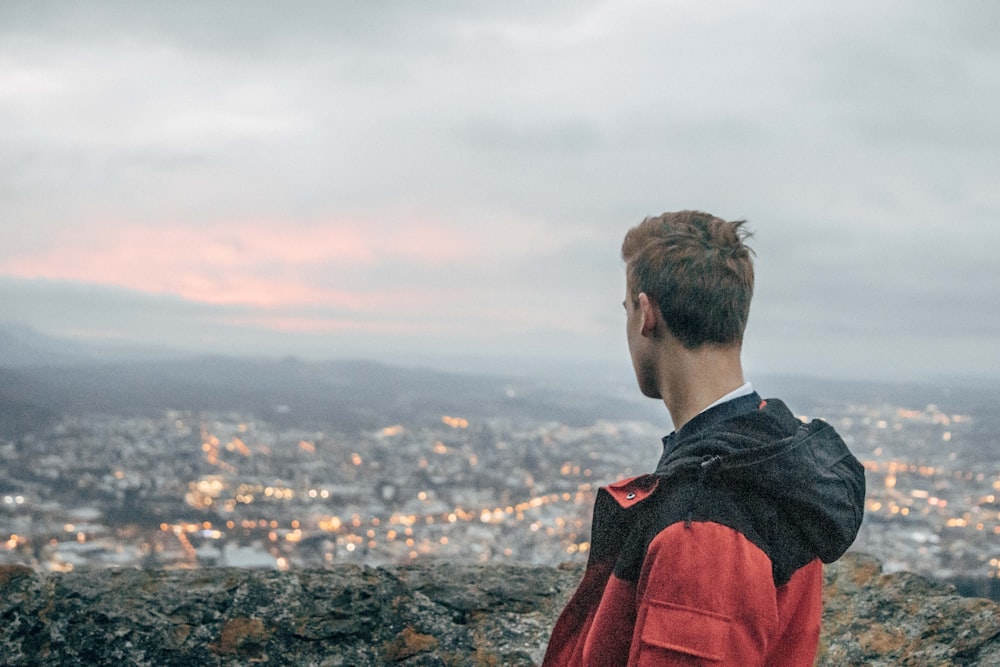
pixel 733 408
pixel 609 528
pixel 792 489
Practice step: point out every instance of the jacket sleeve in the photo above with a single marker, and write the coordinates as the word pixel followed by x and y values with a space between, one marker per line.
pixel 705 596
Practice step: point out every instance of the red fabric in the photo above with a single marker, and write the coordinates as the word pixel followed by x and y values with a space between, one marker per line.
pixel 575 622
pixel 630 491
pixel 705 596
pixel 614 622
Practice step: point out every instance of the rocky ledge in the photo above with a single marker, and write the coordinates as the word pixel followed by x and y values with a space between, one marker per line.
pixel 428 614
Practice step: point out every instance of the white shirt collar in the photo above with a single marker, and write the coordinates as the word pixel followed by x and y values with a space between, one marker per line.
pixel 744 390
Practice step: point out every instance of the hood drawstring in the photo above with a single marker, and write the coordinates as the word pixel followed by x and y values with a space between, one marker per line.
pixel 705 467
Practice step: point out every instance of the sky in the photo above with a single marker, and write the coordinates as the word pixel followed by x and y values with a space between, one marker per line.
pixel 448 183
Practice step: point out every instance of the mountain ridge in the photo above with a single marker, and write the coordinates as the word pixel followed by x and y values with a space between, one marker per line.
pixel 42 377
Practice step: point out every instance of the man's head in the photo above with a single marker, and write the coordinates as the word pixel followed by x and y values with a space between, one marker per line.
pixel 697 270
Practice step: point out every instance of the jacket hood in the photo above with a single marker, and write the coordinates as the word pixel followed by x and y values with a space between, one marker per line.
pixel 804 488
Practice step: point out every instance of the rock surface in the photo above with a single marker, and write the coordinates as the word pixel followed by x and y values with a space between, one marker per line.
pixel 877 620
pixel 428 614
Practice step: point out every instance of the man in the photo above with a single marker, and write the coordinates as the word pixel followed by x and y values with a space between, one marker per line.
pixel 714 559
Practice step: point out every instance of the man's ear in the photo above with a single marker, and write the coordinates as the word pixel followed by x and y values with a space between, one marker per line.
pixel 650 314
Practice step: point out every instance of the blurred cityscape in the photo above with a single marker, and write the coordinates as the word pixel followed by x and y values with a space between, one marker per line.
pixel 187 489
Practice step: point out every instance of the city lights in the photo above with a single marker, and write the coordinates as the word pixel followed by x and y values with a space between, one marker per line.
pixel 234 490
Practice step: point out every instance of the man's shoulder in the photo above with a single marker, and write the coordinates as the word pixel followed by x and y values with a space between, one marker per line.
pixel 769 419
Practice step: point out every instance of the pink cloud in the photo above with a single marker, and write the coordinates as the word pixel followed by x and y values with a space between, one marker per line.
pixel 314 325
pixel 262 264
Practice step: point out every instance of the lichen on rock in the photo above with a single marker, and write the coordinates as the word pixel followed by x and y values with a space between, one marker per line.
pixel 432 613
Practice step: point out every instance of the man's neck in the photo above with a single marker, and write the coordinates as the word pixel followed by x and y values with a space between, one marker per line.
pixel 695 379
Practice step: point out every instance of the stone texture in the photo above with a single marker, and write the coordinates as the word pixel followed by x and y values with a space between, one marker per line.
pixel 432 614
pixel 877 620
pixel 429 614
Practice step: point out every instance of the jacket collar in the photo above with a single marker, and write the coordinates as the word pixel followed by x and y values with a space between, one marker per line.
pixel 732 408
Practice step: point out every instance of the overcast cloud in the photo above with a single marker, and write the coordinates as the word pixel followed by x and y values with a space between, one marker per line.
pixel 449 182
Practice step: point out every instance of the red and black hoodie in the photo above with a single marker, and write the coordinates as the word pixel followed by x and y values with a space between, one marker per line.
pixel 715 559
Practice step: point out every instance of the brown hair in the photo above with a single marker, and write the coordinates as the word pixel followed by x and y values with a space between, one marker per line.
pixel 697 269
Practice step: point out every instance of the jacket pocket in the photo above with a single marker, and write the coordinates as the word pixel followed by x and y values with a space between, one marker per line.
pixel 675 632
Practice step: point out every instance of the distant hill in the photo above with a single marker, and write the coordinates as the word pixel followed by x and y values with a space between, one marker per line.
pixel 350 394
pixel 40 379
pixel 24 347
